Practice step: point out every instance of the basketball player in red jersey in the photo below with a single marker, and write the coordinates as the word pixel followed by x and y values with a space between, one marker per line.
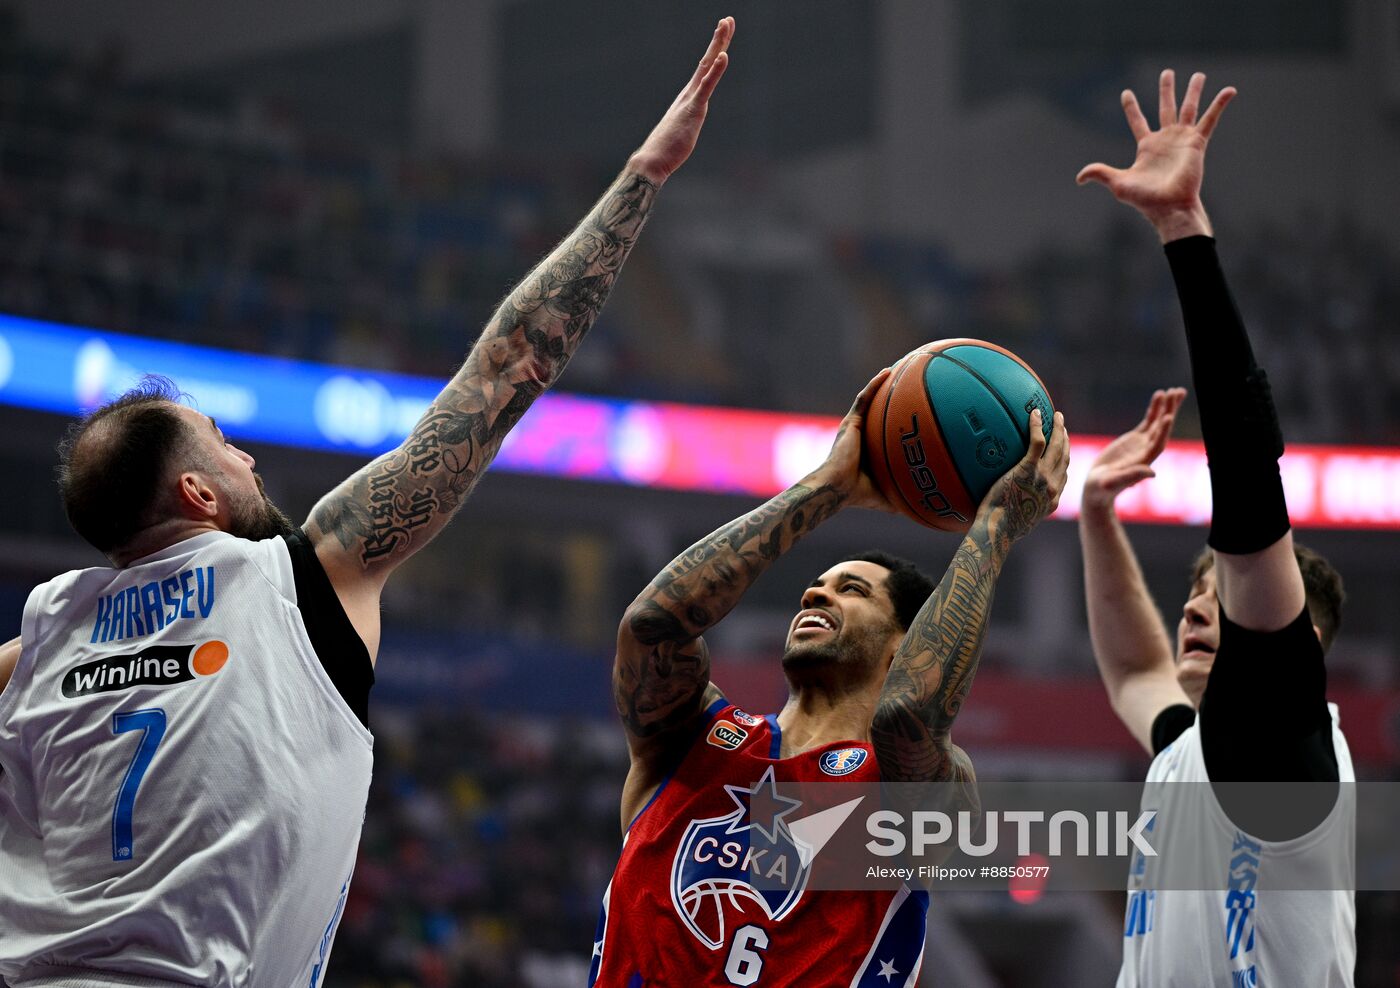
pixel 877 668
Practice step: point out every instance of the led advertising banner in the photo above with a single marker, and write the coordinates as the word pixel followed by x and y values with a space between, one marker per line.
pixel 67 369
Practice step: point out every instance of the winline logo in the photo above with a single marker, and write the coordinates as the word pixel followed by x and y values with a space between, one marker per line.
pixel 158 665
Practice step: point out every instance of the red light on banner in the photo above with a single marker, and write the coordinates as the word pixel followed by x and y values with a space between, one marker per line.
pixel 740 452
pixel 1326 486
pixel 729 451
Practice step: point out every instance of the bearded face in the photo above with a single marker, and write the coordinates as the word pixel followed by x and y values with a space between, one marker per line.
pixel 253 516
pixel 852 646
pixel 846 623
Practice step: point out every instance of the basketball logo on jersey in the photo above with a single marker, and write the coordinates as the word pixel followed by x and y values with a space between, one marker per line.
pixel 726 736
pixel 742 866
pixel 158 665
pixel 843 761
pixel 748 720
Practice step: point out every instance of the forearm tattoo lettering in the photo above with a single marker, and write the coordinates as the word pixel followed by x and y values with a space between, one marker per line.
pixel 933 670
pixel 396 503
pixel 658 682
pixel 934 667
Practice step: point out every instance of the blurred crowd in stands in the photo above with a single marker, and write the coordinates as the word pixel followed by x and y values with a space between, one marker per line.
pixel 205 218
pixel 487 847
pixel 215 221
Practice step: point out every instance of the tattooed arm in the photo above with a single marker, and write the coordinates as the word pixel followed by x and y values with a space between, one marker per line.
pixel 661 676
pixel 391 508
pixel 933 669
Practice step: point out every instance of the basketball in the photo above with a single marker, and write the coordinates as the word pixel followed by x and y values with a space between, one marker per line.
pixel 948 422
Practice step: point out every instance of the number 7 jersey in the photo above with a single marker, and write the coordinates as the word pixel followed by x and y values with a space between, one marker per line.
pixel 711 886
pixel 182 787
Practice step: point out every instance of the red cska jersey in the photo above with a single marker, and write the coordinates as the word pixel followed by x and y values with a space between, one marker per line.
pixel 711 886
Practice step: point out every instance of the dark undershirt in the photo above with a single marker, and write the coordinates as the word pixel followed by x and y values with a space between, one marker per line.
pixel 1264 718
pixel 339 647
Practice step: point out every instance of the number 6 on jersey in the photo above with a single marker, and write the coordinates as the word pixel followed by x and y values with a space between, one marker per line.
pixel 745 962
pixel 151 723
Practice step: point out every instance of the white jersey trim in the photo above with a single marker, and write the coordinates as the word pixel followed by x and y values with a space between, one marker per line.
pixel 282 559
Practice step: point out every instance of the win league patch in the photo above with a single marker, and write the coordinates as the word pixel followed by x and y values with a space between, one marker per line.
pixel 727 736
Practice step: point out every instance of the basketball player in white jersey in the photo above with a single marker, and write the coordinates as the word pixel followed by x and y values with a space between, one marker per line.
pixel 184 750
pixel 1244 700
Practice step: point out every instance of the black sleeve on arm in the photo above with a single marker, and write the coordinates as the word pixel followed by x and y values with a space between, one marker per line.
pixel 1264 718
pixel 338 645
pixel 1239 423
pixel 1168 725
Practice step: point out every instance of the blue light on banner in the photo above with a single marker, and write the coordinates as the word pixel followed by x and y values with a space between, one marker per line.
pixel 67 369
pixel 296 403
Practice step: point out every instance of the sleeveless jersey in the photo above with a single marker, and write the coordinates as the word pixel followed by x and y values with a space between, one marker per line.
pixel 1239 936
pixel 181 786
pixel 683 908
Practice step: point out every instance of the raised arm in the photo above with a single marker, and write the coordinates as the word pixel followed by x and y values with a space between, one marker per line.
pixel 1130 641
pixel 933 669
pixel 1259 584
pixel 1281 729
pixel 391 508
pixel 661 676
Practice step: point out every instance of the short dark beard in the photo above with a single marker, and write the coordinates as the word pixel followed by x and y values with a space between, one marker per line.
pixel 814 655
pixel 836 652
pixel 262 520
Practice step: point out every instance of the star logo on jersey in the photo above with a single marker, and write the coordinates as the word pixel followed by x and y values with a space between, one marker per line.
pixel 752 863
pixel 742 866
pixel 763 806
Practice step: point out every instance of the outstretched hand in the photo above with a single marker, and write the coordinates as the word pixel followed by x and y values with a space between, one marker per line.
pixel 841 469
pixel 1030 491
pixel 1164 182
pixel 673 139
pixel 1128 459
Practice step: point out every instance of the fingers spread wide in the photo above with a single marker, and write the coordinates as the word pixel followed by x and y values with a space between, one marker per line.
pixel 1192 101
pixel 1097 172
pixel 1166 98
pixel 1137 123
pixel 1216 108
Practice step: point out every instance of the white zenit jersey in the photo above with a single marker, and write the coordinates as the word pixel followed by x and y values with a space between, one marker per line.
pixel 1241 936
pixel 182 788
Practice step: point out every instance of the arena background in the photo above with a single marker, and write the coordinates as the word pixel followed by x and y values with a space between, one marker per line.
pixel 359 182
